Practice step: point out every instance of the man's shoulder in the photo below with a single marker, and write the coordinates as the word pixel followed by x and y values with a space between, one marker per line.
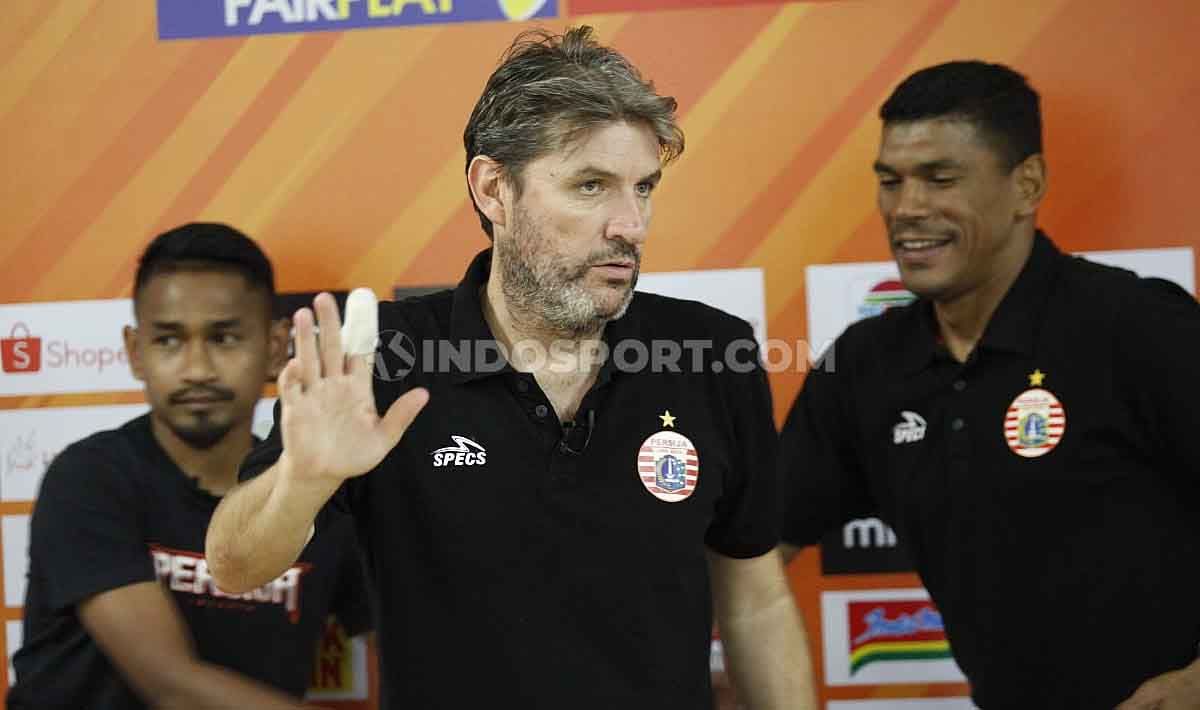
pixel 426 315
pixel 886 332
pixel 668 317
pixel 1112 289
pixel 96 462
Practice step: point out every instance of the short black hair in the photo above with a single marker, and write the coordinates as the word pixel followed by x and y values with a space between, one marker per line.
pixel 998 100
pixel 206 245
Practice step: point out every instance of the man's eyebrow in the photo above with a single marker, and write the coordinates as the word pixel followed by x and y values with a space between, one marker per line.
pixel 930 166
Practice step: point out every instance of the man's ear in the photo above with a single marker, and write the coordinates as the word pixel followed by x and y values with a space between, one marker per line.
pixel 487 182
pixel 1031 184
pixel 129 335
pixel 279 336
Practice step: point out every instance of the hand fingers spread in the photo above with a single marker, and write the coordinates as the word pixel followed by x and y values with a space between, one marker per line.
pixel 306 348
pixel 330 337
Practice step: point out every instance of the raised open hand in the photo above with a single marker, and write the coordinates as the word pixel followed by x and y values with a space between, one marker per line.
pixel 330 427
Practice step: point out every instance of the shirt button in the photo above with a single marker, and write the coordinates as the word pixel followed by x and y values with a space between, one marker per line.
pixel 541 411
pixel 522 386
pixel 957 424
pixel 960 385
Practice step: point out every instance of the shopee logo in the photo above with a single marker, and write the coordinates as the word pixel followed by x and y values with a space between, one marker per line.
pixel 21 351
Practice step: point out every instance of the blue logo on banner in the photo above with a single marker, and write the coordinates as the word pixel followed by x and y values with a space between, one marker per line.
pixel 180 19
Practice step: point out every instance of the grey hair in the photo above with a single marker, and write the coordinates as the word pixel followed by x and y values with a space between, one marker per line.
pixel 549 91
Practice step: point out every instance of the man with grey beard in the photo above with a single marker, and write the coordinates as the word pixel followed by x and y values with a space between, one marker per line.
pixel 560 521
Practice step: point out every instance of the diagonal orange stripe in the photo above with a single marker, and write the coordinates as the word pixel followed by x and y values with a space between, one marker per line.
pixel 76 110
pixel 130 216
pixel 40 49
pixel 240 139
pixel 835 201
pixel 58 123
pixel 91 192
pixel 756 220
pixel 709 41
pixel 23 20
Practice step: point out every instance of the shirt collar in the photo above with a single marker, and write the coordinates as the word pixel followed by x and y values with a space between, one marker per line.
pixel 1012 327
pixel 467 324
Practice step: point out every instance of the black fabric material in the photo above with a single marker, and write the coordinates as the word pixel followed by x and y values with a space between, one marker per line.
pixel 114 510
pixel 1067 579
pixel 542 578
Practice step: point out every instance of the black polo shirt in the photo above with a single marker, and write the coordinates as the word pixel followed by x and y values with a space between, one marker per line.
pixel 113 510
pixel 512 571
pixel 1047 487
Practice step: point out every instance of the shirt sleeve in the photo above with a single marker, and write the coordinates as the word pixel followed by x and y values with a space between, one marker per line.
pixel 819 467
pixel 746 523
pixel 1158 374
pixel 86 533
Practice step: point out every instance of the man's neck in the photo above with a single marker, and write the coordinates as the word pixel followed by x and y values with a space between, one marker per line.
pixel 963 320
pixel 216 468
pixel 565 365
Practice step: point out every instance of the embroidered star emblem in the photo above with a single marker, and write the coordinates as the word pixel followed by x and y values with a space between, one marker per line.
pixel 1036 377
pixel 667 419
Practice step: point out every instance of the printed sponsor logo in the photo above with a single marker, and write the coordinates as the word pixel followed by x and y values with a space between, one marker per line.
pixel 886 294
pixel 588 7
pixel 885 637
pixel 864 546
pixel 464 452
pixel 339 667
pixel 911 428
pixel 895 631
pixel 179 19
pixel 187 573
pixel 64 347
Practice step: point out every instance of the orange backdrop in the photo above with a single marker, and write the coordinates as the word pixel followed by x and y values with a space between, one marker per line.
pixel 341 151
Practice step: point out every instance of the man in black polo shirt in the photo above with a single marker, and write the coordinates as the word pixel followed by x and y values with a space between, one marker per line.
pixel 121 612
pixel 1026 425
pixel 542 536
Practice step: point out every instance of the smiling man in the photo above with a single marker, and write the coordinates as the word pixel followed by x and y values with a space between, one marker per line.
pixel 121 612
pixel 1026 425
pixel 572 556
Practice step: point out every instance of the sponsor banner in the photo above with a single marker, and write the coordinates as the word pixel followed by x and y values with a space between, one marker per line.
pixel 12 638
pixel 840 294
pixel 31 438
pixel 588 7
pixel 15 531
pixel 739 292
pixel 264 417
pixel 65 347
pixel 339 667
pixel 885 637
pixel 179 19
pixel 863 546
pixel 903 704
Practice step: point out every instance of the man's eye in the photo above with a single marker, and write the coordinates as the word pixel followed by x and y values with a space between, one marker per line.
pixel 591 187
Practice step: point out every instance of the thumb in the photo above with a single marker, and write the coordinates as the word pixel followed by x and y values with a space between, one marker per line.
pixel 1140 700
pixel 402 413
